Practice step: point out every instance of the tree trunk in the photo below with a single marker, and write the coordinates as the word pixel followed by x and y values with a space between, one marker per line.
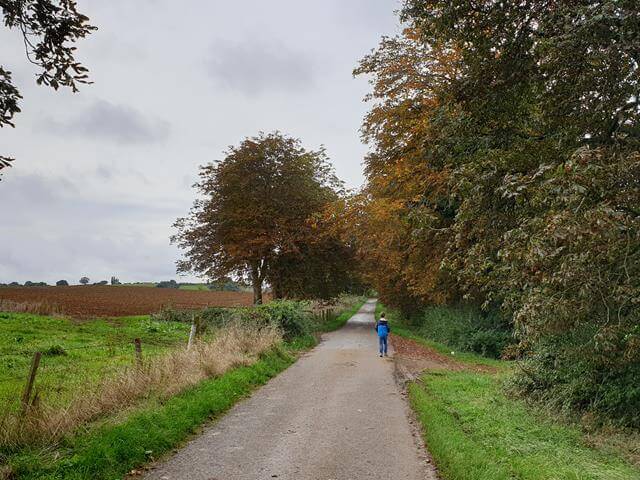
pixel 277 290
pixel 256 281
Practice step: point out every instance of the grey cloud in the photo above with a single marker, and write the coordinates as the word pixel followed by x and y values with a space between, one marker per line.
pixel 104 173
pixel 90 193
pixel 252 68
pixel 106 121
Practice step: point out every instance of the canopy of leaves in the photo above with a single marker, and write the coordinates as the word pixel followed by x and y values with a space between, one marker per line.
pixel 256 217
pixel 505 171
pixel 48 28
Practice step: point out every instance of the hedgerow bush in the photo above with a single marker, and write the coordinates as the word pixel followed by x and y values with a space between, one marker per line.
pixel 465 328
pixel 293 318
pixel 564 373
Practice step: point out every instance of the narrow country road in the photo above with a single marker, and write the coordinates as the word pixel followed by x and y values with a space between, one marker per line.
pixel 337 414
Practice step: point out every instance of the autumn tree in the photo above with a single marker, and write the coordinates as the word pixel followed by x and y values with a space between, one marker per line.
pixel 48 28
pixel 323 264
pixel 255 217
pixel 505 154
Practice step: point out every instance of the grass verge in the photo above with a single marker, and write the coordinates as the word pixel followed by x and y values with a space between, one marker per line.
pixel 160 377
pixel 110 451
pixel 339 321
pixel 475 431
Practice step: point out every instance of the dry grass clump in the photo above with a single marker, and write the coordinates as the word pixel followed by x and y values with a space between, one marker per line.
pixel 233 346
pixel 37 308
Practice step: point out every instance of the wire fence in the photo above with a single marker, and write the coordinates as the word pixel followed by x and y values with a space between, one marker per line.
pixel 45 369
pixel 49 366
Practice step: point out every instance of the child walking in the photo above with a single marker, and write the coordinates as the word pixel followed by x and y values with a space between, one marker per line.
pixel 383 330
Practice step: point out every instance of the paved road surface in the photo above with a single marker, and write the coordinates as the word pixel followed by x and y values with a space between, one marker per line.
pixel 337 414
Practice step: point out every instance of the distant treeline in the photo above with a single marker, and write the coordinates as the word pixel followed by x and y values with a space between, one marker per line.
pixel 223 285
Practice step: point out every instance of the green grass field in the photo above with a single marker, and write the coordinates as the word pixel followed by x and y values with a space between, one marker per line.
pixel 197 287
pixel 475 431
pixel 74 353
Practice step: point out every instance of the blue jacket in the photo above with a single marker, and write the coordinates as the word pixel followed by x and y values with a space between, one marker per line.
pixel 382 327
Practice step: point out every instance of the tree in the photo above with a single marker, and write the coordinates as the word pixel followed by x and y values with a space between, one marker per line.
pixel 115 281
pixel 256 209
pixel 84 280
pixel 323 265
pixel 168 284
pixel 505 157
pixel 62 283
pixel 48 27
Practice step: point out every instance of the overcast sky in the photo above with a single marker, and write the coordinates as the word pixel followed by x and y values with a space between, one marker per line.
pixel 101 175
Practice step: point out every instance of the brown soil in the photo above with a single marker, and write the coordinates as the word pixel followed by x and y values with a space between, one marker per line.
pixel 107 301
pixel 412 358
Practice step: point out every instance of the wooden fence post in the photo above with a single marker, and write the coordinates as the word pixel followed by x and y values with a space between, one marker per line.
pixel 32 377
pixel 138 346
pixel 192 333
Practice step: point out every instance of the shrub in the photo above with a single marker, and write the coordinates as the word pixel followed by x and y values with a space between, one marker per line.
pixel 168 284
pixel 466 328
pixel 54 351
pixel 291 317
pixel 564 372
pixel 170 314
pixel 62 283
pixel 230 287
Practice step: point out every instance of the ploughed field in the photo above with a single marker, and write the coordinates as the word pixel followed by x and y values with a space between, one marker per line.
pixel 110 301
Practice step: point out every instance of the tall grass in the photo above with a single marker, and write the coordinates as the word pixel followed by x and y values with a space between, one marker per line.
pixel 109 450
pixel 163 377
pixel 36 308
